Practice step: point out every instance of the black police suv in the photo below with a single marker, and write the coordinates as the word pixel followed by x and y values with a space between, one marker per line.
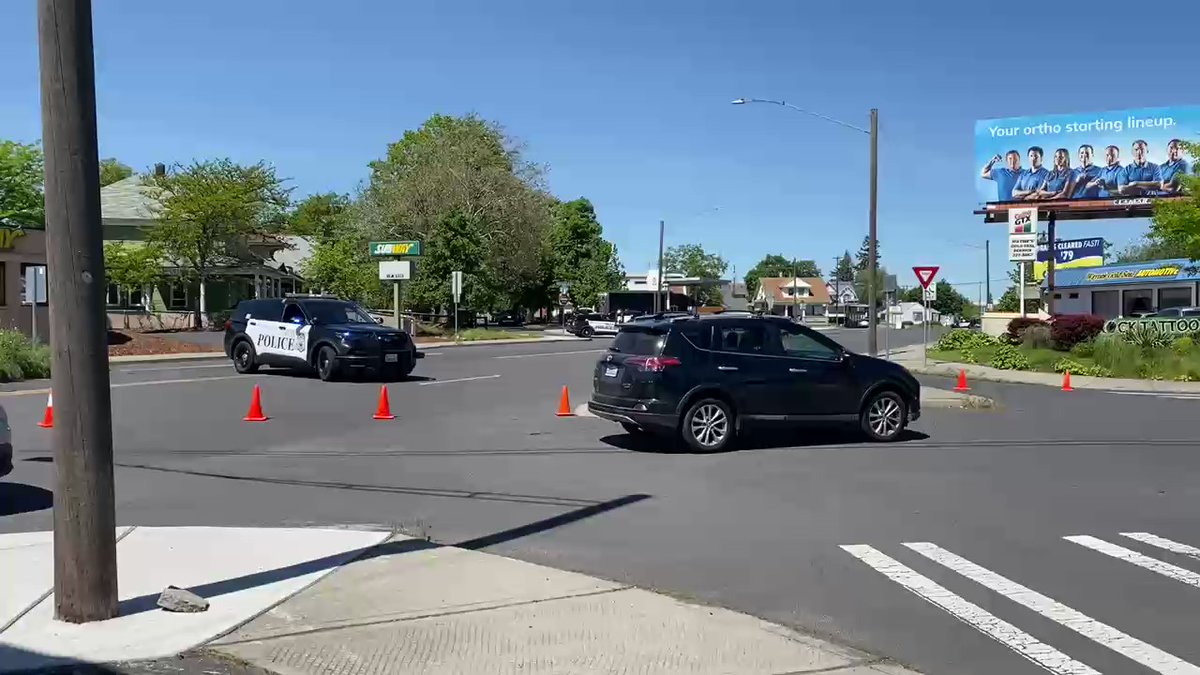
pixel 708 377
pixel 321 333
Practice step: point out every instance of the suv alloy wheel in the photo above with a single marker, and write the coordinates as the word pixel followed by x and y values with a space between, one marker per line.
pixel 884 416
pixel 708 425
pixel 243 357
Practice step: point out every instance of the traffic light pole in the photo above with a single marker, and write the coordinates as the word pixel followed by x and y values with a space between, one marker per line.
pixel 85 548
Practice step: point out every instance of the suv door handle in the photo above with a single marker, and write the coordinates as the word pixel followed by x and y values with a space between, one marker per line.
pixel 726 367
pixel 797 370
pixel 282 327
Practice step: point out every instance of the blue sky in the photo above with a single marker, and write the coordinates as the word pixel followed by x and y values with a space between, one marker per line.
pixel 628 102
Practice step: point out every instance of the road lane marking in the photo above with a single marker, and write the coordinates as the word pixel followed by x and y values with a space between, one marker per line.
pixel 1128 646
pixel 1163 543
pixel 134 371
pixel 529 356
pixel 1143 561
pixel 460 379
pixel 971 614
pixel 119 385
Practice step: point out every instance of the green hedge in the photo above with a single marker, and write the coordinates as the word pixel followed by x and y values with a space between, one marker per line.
pixel 20 359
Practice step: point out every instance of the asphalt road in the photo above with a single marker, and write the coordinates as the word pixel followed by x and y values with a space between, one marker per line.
pixel 478 458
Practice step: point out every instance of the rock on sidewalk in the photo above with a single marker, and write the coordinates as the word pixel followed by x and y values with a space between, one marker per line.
pixel 180 600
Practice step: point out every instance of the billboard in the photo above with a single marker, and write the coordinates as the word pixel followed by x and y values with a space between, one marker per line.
pixel 1107 164
pixel 1069 254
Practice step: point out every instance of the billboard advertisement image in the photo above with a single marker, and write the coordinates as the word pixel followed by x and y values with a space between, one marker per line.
pixel 1102 164
pixel 1069 254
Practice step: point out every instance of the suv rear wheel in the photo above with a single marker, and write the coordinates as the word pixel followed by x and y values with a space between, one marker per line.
pixel 884 416
pixel 586 331
pixel 708 425
pixel 243 357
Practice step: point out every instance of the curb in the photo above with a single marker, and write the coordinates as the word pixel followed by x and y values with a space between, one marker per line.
pixel 185 356
pixel 515 341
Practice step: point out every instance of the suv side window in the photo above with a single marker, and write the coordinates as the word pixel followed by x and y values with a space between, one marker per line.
pixel 698 334
pixel 293 314
pixel 742 339
pixel 262 310
pixel 800 342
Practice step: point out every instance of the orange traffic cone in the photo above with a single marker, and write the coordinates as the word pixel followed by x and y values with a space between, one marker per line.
pixel 48 419
pixel 1067 381
pixel 962 381
pixel 384 411
pixel 256 412
pixel 564 404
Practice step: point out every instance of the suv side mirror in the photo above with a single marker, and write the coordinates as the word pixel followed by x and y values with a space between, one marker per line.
pixel 379 319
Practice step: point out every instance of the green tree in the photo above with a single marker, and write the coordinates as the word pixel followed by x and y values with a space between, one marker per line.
pixel 454 244
pixel 860 286
pixel 21 177
pixel 691 260
pixel 949 301
pixel 775 265
pixel 864 254
pixel 468 167
pixel 320 216
pixel 1176 223
pixel 343 267
pixel 208 209
pixel 1149 249
pixel 845 268
pixel 112 170
pixel 132 266
pixel 580 255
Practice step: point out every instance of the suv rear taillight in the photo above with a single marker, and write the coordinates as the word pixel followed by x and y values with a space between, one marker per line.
pixel 228 324
pixel 653 364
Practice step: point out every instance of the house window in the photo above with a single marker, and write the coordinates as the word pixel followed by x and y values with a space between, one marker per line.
pixel 1073 296
pixel 114 295
pixel 177 298
pixel 3 284
pixel 136 297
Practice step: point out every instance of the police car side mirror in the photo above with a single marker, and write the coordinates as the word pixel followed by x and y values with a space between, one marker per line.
pixel 379 319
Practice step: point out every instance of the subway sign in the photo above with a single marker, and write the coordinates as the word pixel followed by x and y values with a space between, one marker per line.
pixel 385 249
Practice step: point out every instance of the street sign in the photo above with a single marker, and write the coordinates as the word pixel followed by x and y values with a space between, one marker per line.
pixel 385 249
pixel 456 285
pixel 1022 247
pixel 1022 221
pixel 925 274
pixel 930 293
pixel 395 270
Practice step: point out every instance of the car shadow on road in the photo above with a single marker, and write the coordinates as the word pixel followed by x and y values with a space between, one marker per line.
pixel 758 440
pixel 351 377
pixel 16 498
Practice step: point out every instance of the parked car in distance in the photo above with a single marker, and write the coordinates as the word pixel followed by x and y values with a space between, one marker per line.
pixel 321 333
pixel 587 324
pixel 1173 313
pixel 705 379
pixel 509 318
pixel 6 449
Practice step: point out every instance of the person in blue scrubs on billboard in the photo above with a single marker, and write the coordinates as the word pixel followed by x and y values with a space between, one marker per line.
pixel 1005 176
pixel 1031 179
pixel 1112 175
pixel 1059 181
pixel 1171 170
pixel 1142 178
pixel 1083 183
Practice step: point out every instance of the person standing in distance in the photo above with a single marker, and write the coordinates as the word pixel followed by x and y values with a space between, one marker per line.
pixel 1082 182
pixel 1141 177
pixel 1171 170
pixel 1031 179
pixel 1058 182
pixel 1004 176
pixel 1112 175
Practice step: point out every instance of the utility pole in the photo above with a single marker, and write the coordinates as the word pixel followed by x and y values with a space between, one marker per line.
pixel 872 237
pixel 661 304
pixel 987 271
pixel 85 547
pixel 837 285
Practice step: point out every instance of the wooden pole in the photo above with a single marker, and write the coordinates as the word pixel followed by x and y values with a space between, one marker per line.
pixel 85 549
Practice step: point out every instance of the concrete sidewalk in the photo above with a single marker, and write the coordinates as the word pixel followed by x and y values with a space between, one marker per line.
pixel 911 358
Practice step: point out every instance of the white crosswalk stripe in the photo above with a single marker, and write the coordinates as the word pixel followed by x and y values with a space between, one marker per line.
pixel 971 614
pixel 1045 655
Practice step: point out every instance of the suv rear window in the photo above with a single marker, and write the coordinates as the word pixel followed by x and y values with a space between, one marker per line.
pixel 640 342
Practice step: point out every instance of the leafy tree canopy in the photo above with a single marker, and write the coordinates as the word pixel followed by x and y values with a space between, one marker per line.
pixel 1176 223
pixel 864 254
pixel 320 216
pixel 21 177
pixel 112 170
pixel 776 265
pixel 692 260
pixel 579 254
pixel 845 268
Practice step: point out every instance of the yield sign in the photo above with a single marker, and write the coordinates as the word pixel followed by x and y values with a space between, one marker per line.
pixel 925 275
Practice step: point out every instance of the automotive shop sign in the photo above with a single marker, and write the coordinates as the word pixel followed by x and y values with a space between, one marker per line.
pixel 1186 325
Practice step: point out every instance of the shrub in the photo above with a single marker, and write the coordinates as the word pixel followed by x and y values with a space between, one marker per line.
pixel 1065 365
pixel 1146 334
pixel 1116 354
pixel 1017 327
pixel 1037 336
pixel 1183 345
pixel 968 356
pixel 964 339
pixel 20 359
pixel 1085 349
pixel 1071 329
pixel 1008 357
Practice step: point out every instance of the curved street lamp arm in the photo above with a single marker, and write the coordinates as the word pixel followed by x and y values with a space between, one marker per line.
pixel 806 112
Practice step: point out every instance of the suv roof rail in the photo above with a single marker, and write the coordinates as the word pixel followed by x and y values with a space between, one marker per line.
pixel 311 295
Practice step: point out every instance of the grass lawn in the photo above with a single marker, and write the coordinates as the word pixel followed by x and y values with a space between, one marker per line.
pixel 1040 360
pixel 474 334
pixel 1111 358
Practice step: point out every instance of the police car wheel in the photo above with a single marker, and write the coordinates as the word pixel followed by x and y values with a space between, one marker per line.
pixel 327 368
pixel 243 357
pixel 586 331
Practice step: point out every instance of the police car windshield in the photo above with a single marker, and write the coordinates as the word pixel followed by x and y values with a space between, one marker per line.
pixel 336 313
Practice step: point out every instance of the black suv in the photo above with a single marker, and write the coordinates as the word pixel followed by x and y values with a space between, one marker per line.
pixel 705 378
pixel 322 333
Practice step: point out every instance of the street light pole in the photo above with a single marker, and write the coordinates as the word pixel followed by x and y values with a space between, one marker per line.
pixel 658 302
pixel 872 234
pixel 85 547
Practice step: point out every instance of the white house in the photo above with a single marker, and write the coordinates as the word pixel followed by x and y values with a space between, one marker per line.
pixel 911 313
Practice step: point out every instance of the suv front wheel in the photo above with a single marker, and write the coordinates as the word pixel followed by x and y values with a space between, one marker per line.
pixel 708 425
pixel 327 365
pixel 884 416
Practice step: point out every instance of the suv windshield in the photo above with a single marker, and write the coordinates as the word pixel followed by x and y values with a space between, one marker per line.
pixel 336 312
pixel 638 342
